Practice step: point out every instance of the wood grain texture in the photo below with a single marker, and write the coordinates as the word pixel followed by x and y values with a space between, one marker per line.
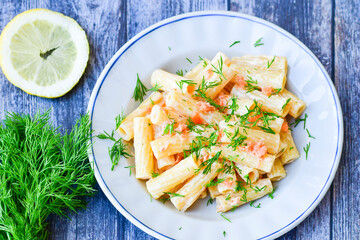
pixel 346 194
pixel 330 29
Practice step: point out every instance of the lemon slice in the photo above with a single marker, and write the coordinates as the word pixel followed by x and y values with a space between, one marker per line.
pixel 43 52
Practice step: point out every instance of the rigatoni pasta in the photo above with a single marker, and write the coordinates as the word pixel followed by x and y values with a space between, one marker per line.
pixel 220 128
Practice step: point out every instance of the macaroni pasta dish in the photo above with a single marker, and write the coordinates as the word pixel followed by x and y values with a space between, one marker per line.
pixel 220 130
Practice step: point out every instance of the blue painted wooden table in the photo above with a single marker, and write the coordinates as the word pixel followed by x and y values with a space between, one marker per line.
pixel 331 29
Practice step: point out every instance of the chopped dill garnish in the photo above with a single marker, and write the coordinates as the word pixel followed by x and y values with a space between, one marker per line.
pixel 228 197
pixel 201 92
pixel 236 42
pixel 275 91
pixel 269 64
pixel 210 201
pixel 169 48
pixel 271 195
pixel 297 121
pixel 189 60
pixel 215 182
pixel 219 70
pixel 252 204
pixel 257 189
pixel 119 118
pixel 188 82
pixel 208 163
pixel 291 148
pixel 223 216
pixel 155 88
pixel 307 130
pixel 224 233
pixel 306 149
pixel 119 148
pixel 258 42
pixel 140 90
pixel 237 139
pixel 129 167
pixel 180 228
pixel 169 128
pixel 116 151
pixel 250 84
pixel 286 103
pixel 154 174
pixel 267 129
pixel 204 62
pixel 180 72
pixel 172 195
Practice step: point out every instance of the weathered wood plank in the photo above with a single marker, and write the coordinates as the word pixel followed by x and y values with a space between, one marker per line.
pixel 105 25
pixel 302 18
pixel 346 202
pixel 109 24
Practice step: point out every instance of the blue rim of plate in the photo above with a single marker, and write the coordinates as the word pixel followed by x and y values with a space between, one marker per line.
pixel 181 17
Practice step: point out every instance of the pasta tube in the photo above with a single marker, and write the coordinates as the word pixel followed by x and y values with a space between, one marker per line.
pixel 144 160
pixel 271 141
pixel 297 106
pixel 277 172
pixel 193 188
pixel 169 179
pixel 276 104
pixel 291 153
pixel 126 128
pixel 257 190
pixel 264 163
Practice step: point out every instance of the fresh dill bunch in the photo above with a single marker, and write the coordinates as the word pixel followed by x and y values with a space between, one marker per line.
pixel 41 172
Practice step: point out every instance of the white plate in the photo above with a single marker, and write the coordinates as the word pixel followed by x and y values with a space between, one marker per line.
pixel 204 34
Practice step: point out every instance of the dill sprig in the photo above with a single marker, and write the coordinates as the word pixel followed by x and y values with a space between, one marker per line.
pixel 119 148
pixel 42 172
pixel 306 149
pixel 204 62
pixel 155 88
pixel 257 189
pixel 250 84
pixel 201 93
pixel 275 91
pixel 252 204
pixel 223 216
pixel 237 139
pixel 119 119
pixel 180 72
pixel 189 60
pixel 286 103
pixel 258 42
pixel 307 130
pixel 188 82
pixel 215 182
pixel 116 151
pixel 219 70
pixel 172 195
pixel 271 195
pixel 154 174
pixel 236 42
pixel 140 90
pixel 129 167
pixel 297 121
pixel 208 163
pixel 269 63
pixel 210 201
